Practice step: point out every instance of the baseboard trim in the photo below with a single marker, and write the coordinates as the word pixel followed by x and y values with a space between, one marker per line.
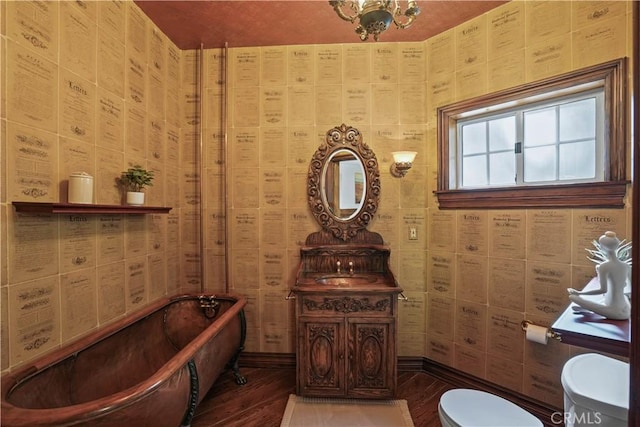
pixel 420 364
pixel 268 360
pixel 288 360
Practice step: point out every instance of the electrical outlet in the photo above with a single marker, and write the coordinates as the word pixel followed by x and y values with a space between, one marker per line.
pixel 413 233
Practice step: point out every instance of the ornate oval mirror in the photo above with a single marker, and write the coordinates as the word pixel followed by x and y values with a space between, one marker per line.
pixel 343 183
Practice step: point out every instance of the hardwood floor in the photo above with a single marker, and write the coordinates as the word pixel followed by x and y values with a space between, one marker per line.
pixel 261 402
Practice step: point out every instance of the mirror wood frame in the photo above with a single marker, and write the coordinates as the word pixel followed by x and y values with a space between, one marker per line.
pixel 348 138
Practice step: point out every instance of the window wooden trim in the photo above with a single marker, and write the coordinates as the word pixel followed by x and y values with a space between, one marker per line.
pixel 600 194
pixel 609 193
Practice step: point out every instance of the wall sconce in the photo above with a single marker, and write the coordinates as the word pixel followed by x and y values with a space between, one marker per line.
pixel 402 162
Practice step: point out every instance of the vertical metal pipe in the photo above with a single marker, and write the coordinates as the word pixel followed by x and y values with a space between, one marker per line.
pixel 225 170
pixel 200 160
pixel 634 354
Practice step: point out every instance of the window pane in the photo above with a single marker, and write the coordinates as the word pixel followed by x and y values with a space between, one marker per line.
pixel 578 120
pixel 474 171
pixel 540 164
pixel 474 138
pixel 540 127
pixel 578 160
pixel 502 167
pixel 502 133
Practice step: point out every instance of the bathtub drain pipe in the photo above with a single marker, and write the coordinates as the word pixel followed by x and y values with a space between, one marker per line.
pixel 200 160
pixel 227 157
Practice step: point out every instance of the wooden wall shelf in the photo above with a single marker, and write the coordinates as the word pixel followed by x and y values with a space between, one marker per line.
pixel 593 331
pixel 86 209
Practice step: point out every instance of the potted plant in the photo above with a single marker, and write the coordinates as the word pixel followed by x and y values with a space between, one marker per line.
pixel 134 180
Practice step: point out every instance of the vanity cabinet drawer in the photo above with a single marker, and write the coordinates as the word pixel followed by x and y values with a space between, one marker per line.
pixel 369 305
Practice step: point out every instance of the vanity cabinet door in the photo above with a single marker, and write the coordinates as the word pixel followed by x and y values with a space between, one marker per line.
pixel 346 345
pixel 371 357
pixel 321 354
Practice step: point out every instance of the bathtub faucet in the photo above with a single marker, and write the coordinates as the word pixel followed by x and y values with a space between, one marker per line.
pixel 209 305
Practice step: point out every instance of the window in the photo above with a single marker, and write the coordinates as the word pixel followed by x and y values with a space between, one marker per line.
pixel 555 143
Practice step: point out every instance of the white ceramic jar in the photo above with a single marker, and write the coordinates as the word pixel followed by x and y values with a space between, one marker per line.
pixel 80 188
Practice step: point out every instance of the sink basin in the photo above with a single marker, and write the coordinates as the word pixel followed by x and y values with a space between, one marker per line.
pixel 346 280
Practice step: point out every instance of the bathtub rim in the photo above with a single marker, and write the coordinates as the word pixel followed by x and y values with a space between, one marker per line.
pixel 124 398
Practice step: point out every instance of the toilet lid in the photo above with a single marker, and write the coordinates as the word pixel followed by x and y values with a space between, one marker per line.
pixel 465 407
pixel 599 383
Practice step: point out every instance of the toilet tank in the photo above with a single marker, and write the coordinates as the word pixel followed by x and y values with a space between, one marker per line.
pixel 596 391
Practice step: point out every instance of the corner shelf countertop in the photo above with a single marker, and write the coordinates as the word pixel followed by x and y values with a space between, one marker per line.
pixel 86 209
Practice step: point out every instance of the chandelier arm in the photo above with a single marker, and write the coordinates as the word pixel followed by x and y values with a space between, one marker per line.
pixel 403 25
pixel 411 13
pixel 339 4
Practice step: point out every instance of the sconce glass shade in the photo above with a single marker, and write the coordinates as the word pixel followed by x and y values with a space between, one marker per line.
pixel 375 16
pixel 402 162
pixel 404 156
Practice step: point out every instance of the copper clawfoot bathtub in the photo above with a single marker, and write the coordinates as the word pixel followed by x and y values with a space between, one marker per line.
pixel 149 369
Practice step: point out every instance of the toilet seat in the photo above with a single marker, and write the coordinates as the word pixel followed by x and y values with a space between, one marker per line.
pixel 465 407
pixel 599 383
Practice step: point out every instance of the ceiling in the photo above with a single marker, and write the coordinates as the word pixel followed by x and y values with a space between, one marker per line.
pixel 212 23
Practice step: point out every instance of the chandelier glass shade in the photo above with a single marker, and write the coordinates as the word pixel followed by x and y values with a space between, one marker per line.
pixel 375 16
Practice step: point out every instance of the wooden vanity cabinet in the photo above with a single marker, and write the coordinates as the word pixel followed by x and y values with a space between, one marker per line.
pixel 346 295
pixel 347 343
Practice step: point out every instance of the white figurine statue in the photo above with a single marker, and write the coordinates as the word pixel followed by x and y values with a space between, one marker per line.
pixel 614 275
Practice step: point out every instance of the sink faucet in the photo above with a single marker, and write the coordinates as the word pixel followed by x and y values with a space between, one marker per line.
pixel 350 267
pixel 338 265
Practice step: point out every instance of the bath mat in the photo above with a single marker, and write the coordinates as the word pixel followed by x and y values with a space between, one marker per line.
pixel 320 412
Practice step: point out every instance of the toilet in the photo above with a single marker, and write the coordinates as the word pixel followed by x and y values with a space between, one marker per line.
pixel 473 408
pixel 596 391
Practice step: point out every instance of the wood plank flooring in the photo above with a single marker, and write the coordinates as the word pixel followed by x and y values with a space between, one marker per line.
pixel 261 402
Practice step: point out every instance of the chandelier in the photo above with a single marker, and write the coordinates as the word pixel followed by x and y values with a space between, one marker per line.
pixel 375 16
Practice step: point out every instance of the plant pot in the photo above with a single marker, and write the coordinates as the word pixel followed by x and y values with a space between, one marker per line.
pixel 135 198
